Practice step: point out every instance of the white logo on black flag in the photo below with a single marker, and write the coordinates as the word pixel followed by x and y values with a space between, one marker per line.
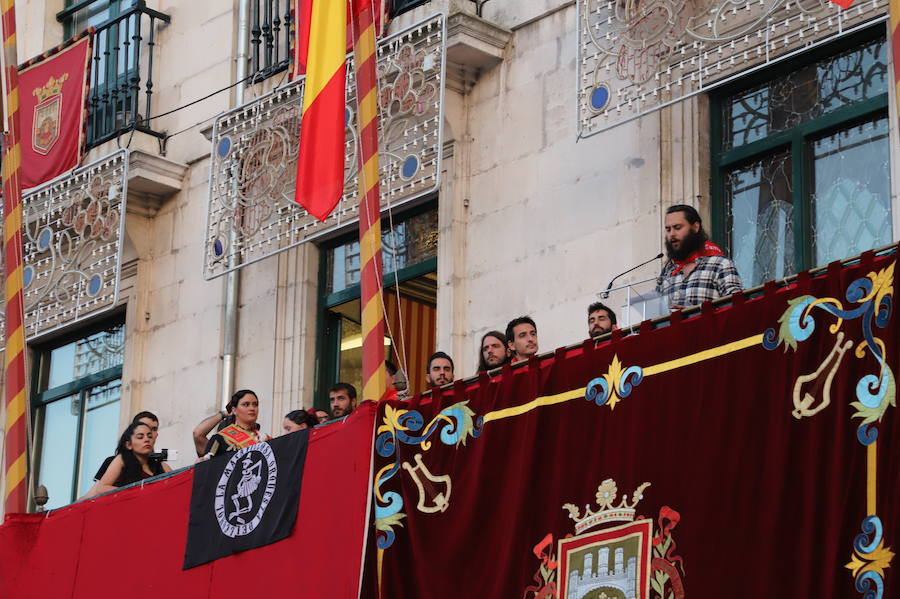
pixel 245 499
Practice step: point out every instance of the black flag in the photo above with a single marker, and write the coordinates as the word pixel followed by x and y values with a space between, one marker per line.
pixel 245 499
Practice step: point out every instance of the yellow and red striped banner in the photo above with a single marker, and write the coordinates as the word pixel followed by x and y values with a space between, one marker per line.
pixel 374 375
pixel 895 47
pixel 320 164
pixel 16 460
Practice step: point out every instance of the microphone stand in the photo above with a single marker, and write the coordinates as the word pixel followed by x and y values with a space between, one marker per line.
pixel 605 293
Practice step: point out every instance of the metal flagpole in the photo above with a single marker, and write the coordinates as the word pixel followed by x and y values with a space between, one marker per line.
pixel 16 431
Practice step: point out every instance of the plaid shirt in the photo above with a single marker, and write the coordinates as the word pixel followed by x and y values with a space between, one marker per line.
pixel 712 277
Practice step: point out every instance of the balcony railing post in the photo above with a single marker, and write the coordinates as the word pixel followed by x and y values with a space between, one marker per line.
pixel 288 20
pixel 148 87
pixel 255 32
pixel 276 30
pixel 267 33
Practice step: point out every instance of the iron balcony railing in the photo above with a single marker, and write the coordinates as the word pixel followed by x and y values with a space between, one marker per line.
pixel 121 79
pixel 270 37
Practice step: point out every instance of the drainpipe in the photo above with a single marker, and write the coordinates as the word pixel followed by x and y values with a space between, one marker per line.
pixel 233 278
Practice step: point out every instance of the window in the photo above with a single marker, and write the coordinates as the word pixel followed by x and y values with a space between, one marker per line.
pixel 90 14
pixel 801 163
pixel 409 253
pixel 78 386
pixel 121 66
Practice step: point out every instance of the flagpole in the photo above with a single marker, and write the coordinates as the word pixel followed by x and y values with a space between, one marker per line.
pixel 374 375
pixel 16 465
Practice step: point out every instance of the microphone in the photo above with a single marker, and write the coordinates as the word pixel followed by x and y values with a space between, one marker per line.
pixel 605 294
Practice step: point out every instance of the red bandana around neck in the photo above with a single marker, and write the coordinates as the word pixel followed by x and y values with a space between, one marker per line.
pixel 708 249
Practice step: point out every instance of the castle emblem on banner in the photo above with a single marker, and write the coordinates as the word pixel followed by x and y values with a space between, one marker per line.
pixel 47 114
pixel 614 553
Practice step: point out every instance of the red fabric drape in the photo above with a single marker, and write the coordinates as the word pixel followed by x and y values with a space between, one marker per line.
pixel 745 499
pixel 132 542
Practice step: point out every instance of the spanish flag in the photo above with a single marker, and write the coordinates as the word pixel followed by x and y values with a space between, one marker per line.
pixel 320 165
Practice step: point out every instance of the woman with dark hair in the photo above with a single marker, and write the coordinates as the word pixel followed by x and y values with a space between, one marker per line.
pixel 297 420
pixel 242 430
pixel 132 462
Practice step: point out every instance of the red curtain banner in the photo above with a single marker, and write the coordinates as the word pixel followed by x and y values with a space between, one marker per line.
pixel 747 452
pixel 52 100
pixel 133 541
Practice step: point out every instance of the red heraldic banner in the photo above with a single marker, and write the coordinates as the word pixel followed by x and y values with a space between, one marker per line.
pixel 52 107
pixel 748 452
pixel 135 538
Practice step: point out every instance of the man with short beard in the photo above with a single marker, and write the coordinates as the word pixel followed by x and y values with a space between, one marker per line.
pixel 439 370
pixel 697 269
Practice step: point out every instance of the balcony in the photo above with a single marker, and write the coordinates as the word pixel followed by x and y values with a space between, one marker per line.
pixel 270 37
pixel 121 79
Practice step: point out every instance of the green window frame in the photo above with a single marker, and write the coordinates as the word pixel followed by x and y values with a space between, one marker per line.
pixel 76 404
pixel 328 323
pixel 81 14
pixel 795 145
pixel 398 7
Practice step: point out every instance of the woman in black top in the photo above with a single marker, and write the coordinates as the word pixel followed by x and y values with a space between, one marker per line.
pixel 132 462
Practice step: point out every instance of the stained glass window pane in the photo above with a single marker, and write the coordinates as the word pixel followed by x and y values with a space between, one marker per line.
pixel 86 356
pixel 851 198
pixel 805 94
pixel 758 203
pixel 409 242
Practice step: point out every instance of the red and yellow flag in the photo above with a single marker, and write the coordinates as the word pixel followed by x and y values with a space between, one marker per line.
pixel 320 164
pixel 301 32
pixel 374 376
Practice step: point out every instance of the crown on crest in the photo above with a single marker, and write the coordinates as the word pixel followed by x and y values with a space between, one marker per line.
pixel 53 87
pixel 606 512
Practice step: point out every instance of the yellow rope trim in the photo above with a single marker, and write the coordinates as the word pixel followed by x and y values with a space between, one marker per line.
pixel 871 469
pixel 704 355
pixel 549 400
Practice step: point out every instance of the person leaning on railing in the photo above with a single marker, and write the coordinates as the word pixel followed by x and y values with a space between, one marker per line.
pixel 242 431
pixel 133 461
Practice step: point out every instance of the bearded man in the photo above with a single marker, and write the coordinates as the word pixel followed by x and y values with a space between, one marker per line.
pixel 697 269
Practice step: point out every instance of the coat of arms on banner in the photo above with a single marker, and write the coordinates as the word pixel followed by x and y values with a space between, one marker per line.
pixel 46 126
pixel 614 554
